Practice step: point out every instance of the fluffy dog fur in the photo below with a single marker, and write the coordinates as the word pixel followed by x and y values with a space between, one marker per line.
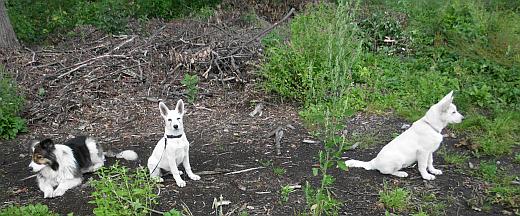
pixel 416 144
pixel 173 148
pixel 62 166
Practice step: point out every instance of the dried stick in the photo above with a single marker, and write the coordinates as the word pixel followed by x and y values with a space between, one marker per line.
pixel 278 140
pixel 242 171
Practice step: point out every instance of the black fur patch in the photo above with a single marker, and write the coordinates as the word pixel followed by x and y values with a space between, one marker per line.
pixel 80 151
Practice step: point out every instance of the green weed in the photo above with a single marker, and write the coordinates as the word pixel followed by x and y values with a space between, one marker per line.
pixel 11 102
pixel 396 199
pixel 502 190
pixel 33 210
pixel 190 82
pixel 279 171
pixel 284 193
pixel 121 192
pixel 517 158
pixel 453 158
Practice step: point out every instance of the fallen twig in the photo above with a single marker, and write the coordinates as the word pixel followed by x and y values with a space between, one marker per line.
pixel 242 171
pixel 278 140
pixel 28 177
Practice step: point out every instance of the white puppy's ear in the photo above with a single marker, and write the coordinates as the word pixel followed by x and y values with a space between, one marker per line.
pixel 180 107
pixel 164 109
pixel 445 102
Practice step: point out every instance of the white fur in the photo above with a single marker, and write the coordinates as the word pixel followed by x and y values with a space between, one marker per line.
pixel 416 144
pixel 177 149
pixel 64 178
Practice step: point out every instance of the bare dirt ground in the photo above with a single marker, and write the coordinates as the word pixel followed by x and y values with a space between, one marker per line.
pixel 108 87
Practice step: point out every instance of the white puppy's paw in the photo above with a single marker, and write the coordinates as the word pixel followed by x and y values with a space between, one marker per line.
pixel 401 174
pixel 435 171
pixel 58 192
pixel 180 183
pixel 194 177
pixel 47 194
pixel 428 176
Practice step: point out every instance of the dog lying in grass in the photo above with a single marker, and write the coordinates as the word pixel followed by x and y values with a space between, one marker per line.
pixel 416 144
pixel 173 149
pixel 62 165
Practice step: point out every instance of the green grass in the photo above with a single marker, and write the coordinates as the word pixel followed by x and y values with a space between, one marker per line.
pixel 279 171
pixel 397 199
pixel 454 158
pixel 33 210
pixel 284 193
pixel 502 190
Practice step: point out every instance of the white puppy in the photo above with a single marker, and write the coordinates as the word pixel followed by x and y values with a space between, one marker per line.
pixel 173 148
pixel 416 144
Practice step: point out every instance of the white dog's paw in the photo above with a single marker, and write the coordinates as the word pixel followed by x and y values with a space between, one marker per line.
pixel 401 174
pixel 47 194
pixel 194 177
pixel 428 176
pixel 436 171
pixel 180 183
pixel 58 192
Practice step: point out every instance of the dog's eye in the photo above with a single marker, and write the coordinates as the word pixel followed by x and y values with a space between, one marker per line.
pixel 169 119
pixel 178 118
pixel 454 112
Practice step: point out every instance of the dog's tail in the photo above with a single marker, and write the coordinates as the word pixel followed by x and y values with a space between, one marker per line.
pixel 356 163
pixel 126 154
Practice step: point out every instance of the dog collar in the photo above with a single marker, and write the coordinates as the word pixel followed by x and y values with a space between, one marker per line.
pixel 435 129
pixel 173 136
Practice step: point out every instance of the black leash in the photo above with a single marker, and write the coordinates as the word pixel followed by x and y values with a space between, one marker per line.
pixel 165 142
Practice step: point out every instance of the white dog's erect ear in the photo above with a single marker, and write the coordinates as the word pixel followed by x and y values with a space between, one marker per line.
pixel 164 109
pixel 446 101
pixel 180 107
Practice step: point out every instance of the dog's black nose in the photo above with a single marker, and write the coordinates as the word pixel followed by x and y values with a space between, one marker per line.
pixel 175 126
pixel 29 168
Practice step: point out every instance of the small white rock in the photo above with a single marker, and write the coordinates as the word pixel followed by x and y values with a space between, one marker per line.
pixel 405 126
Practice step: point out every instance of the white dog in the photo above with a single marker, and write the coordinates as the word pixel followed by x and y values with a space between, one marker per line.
pixel 60 167
pixel 416 144
pixel 173 148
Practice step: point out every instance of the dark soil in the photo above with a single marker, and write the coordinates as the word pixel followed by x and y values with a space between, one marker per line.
pixel 115 100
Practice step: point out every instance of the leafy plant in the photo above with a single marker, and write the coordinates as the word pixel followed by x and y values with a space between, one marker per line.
pixel 33 210
pixel 191 81
pixel 285 191
pixel 121 192
pixel 279 171
pixel 396 199
pixel 173 212
pixel 11 102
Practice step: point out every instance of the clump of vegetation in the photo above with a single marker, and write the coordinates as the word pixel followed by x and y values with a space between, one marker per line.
pixel 502 190
pixel 285 191
pixel 396 199
pixel 34 21
pixel 121 192
pixel 33 210
pixel 191 81
pixel 11 102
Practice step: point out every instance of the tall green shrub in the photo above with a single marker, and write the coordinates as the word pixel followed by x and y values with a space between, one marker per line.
pixel 11 102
